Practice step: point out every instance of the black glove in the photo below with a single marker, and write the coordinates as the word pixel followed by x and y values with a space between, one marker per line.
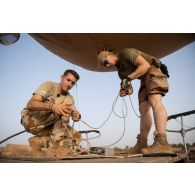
pixel 126 87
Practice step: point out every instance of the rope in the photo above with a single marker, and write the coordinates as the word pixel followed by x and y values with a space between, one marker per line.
pixel 121 135
pixel 113 105
pixel 112 111
pixel 133 108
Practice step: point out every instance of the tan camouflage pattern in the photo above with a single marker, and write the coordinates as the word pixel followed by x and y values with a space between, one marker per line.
pixel 60 133
pixel 33 121
pixel 154 82
pixel 38 142
pixel 63 135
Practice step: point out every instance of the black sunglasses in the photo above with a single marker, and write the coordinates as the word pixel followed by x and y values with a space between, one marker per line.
pixel 105 62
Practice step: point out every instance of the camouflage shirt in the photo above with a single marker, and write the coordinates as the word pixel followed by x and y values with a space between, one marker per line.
pixel 50 92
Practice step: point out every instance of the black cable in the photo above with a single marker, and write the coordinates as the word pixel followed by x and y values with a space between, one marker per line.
pixel 40 127
pixel 12 136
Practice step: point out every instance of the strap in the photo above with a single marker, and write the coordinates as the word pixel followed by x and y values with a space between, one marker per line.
pixel 90 131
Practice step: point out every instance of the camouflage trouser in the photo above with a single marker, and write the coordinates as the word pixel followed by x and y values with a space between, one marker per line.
pixel 63 135
pixel 54 130
pixel 38 121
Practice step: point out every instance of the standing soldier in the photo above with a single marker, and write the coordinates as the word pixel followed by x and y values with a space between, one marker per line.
pixel 134 64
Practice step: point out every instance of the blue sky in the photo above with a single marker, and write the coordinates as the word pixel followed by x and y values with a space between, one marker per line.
pixel 26 64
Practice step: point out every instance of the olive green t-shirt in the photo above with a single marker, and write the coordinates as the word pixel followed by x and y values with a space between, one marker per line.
pixel 126 61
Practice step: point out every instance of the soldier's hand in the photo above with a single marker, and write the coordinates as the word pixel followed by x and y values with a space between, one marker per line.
pixel 126 91
pixel 123 92
pixel 125 82
pixel 76 115
pixel 62 109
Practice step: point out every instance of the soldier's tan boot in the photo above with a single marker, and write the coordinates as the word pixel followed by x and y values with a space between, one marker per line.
pixel 141 143
pixel 160 145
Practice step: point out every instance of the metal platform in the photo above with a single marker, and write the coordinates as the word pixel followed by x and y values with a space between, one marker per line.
pixel 94 159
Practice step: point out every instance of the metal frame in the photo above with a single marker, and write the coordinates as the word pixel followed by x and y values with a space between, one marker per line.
pixel 182 131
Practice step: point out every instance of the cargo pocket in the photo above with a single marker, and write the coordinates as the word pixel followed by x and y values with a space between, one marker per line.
pixel 158 83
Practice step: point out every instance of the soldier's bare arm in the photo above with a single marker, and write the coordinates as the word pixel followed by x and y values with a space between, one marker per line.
pixel 36 103
pixel 142 67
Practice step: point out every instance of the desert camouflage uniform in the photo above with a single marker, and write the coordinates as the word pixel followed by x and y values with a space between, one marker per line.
pixel 53 130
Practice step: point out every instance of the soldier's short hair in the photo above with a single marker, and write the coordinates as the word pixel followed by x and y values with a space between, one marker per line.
pixel 74 73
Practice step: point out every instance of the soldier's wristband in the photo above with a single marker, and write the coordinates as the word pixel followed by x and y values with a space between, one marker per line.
pixel 51 105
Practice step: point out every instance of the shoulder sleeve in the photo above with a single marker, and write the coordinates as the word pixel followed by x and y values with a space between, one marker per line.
pixel 132 55
pixel 44 89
